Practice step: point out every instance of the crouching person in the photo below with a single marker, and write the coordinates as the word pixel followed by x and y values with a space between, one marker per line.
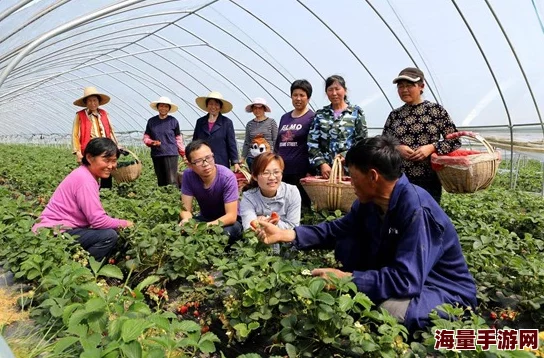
pixel 399 246
pixel 75 206
pixel 214 187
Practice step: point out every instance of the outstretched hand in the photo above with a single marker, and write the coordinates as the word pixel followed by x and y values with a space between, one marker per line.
pixel 269 233
pixel 327 272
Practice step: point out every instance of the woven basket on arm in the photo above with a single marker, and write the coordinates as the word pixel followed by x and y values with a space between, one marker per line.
pixel 130 172
pixel 469 173
pixel 335 193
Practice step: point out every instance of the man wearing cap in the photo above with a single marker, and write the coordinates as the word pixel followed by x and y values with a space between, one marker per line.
pixel 396 243
pixel 217 129
pixel 261 124
pixel 163 136
pixel 421 128
pixel 91 122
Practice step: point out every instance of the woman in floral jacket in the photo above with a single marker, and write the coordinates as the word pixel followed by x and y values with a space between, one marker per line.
pixel 421 128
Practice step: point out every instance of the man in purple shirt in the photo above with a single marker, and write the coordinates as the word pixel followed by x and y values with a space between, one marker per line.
pixel 396 243
pixel 214 187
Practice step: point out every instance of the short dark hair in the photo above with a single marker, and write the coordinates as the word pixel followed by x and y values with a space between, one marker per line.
pixel 100 146
pixel 93 95
pixel 302 85
pixel 259 165
pixel 215 99
pixel 195 145
pixel 336 78
pixel 379 153
pixel 169 106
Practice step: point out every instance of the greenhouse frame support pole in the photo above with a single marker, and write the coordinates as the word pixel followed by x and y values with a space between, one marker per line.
pixel 59 30
pixel 14 8
pixel 542 179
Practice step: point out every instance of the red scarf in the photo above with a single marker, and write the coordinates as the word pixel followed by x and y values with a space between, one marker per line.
pixel 85 126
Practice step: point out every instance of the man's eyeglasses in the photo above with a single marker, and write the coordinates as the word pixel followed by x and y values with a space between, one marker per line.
pixel 276 174
pixel 200 162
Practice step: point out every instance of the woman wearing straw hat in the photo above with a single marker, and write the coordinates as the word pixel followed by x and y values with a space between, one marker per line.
pixel 163 136
pixel 261 124
pixel 91 122
pixel 217 130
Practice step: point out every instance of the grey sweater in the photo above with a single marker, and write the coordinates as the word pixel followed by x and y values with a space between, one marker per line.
pixel 268 128
pixel 286 203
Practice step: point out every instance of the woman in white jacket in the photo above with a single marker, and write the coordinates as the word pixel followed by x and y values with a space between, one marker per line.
pixel 266 197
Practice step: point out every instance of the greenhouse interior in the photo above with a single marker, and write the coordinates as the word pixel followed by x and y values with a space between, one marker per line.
pixel 482 62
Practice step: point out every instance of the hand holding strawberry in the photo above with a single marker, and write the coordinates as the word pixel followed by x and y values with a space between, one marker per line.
pixel 274 218
pixel 269 233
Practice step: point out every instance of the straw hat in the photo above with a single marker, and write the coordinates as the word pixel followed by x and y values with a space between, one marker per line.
pixel 91 91
pixel 201 102
pixel 164 100
pixel 258 100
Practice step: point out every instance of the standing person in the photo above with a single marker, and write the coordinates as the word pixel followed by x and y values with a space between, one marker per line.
pixel 75 205
pixel 421 128
pixel 162 134
pixel 91 122
pixel 261 124
pixel 336 127
pixel 217 130
pixel 397 244
pixel 292 141
pixel 214 187
pixel 267 194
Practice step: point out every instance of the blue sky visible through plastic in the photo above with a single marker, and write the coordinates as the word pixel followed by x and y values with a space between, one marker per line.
pixel 253 48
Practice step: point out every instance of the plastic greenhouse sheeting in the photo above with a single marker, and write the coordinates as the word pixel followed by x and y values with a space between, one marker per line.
pixel 481 58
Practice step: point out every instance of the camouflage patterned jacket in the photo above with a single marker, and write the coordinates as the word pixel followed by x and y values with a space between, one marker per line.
pixel 329 137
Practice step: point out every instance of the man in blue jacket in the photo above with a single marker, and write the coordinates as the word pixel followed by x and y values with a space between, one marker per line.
pixel 396 242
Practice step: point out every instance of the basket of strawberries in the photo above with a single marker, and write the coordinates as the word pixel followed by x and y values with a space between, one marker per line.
pixel 466 171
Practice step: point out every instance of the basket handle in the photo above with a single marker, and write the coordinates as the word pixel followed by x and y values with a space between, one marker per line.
pixel 472 136
pixel 132 153
pixel 336 171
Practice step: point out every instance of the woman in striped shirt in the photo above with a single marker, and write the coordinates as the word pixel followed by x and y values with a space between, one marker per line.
pixel 261 124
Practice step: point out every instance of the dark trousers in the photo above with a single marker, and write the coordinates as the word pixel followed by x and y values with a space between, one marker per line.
pixel 234 231
pixel 98 242
pixel 431 184
pixel 294 179
pixel 249 162
pixel 106 183
pixel 166 169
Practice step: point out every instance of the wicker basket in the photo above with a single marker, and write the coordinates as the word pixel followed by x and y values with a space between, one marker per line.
pixel 469 173
pixel 333 193
pixel 130 172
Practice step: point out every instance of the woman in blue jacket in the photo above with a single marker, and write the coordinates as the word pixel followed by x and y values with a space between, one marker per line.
pixel 217 130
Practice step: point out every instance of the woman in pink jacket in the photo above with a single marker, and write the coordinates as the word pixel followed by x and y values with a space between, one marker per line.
pixel 75 206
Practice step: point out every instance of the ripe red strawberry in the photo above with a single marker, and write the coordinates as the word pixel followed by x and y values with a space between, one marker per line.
pixel 111 261
pixel 274 216
pixel 504 315
pixel 493 315
pixel 196 314
pixel 204 329
pixel 183 309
